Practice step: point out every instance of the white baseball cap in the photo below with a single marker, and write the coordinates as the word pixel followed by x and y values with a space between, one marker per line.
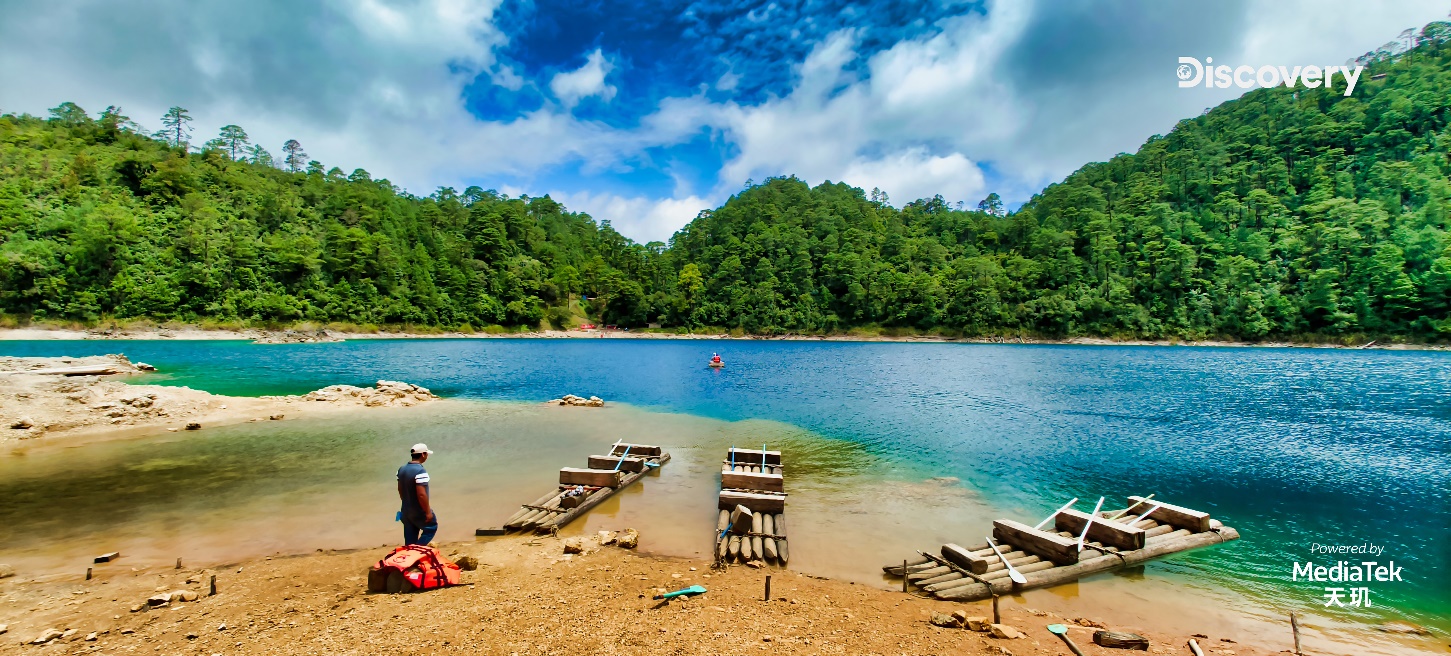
pixel 420 448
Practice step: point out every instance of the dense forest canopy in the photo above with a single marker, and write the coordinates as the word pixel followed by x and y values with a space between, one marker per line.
pixel 1284 213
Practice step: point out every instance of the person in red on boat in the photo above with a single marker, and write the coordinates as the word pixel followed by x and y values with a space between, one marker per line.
pixel 715 358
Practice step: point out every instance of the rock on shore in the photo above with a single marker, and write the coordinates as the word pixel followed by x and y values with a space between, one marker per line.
pixel 383 393
pixel 40 396
pixel 579 401
pixel 297 337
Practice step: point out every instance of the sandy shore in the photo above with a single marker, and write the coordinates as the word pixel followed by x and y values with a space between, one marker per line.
pixel 526 597
pixel 86 397
pixel 310 336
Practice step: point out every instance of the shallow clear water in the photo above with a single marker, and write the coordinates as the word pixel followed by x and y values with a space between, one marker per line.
pixel 1291 446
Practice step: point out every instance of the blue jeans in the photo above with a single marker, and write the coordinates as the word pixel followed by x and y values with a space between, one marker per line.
pixel 420 532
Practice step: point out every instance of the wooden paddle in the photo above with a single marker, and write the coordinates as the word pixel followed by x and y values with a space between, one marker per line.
pixel 1013 572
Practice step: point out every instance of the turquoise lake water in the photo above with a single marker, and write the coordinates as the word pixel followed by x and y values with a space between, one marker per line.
pixel 1293 447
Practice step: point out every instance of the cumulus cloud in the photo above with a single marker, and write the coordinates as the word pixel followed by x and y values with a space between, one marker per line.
pixel 643 218
pixel 913 174
pixel 585 81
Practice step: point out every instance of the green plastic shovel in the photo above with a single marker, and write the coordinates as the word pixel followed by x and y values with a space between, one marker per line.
pixel 686 592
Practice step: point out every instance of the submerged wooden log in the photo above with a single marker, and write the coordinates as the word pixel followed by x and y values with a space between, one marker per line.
pixel 1181 517
pixel 1050 546
pixel 1109 533
pixel 757 502
pixel 934 572
pixel 780 521
pixel 896 570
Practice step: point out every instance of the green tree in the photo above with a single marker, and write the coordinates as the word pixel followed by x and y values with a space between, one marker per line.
pixel 176 126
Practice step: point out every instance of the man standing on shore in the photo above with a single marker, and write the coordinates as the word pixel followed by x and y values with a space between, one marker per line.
pixel 419 522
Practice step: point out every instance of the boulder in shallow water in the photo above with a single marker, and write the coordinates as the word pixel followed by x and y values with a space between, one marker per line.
pixel 6 571
pixel 629 539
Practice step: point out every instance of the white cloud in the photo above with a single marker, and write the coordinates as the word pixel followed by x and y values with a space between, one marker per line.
pixel 585 81
pixel 642 218
pixel 913 174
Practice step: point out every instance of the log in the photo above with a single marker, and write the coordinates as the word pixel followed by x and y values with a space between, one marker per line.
pixel 722 548
pixel 780 520
pixel 1171 535
pixel 753 456
pixel 741 520
pixel 524 509
pixel 1117 640
pixel 931 573
pixel 747 553
pixel 1099 530
pixel 637 450
pixel 781 551
pixel 757 524
pixel 769 544
pixel 768 524
pixel 734 549
pixel 896 570
pixel 752 481
pixel 590 477
pixel 102 370
pixel 626 464
pixel 950 576
pixel 1052 547
pixel 964 558
pixel 723 522
pixel 757 502
pixel 1180 517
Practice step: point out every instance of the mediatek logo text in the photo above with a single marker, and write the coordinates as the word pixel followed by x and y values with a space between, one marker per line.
pixel 1192 73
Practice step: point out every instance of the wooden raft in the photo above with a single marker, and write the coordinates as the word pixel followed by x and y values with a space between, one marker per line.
pixel 751 519
pixel 1051 557
pixel 582 488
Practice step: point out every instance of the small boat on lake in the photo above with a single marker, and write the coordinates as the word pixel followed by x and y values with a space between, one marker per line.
pixel 583 488
pixel 716 362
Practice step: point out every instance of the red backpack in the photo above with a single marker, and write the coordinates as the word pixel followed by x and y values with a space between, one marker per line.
pixel 412 567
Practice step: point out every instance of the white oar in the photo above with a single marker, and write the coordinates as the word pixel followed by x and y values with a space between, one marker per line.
pixel 1066 506
pixel 1013 573
pixel 1141 517
pixel 1089 524
pixel 1125 511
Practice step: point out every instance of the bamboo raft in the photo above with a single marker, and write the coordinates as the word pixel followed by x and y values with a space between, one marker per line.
pixel 1046 558
pixel 583 488
pixel 751 524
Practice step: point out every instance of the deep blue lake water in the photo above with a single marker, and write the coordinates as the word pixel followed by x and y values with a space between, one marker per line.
pixel 1293 447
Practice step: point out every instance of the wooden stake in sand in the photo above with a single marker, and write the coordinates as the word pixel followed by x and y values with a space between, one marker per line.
pixel 212 586
pixel 178 563
pixel 904 575
pixel 997 617
pixel 1295 627
pixel 88 573
pixel 768 587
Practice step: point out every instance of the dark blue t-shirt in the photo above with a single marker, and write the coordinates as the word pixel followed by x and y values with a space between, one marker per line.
pixel 410 476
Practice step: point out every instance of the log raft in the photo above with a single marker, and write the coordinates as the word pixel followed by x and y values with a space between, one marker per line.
pixel 582 488
pixel 1052 557
pixel 751 524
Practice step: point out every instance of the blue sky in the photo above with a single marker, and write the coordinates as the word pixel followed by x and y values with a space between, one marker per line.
pixel 644 113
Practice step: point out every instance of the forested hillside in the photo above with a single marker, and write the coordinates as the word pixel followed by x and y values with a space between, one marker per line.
pixel 1284 213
